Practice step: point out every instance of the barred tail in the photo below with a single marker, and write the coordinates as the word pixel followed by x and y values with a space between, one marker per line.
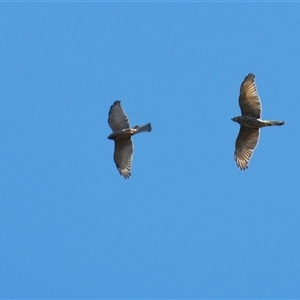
pixel 276 123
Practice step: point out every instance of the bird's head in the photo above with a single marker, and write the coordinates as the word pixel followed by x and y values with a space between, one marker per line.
pixel 235 119
pixel 111 136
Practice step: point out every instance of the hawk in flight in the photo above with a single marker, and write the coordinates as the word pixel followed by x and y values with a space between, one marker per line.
pixel 119 123
pixel 249 121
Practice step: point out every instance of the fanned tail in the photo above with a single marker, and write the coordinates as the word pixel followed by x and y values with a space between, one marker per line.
pixel 146 127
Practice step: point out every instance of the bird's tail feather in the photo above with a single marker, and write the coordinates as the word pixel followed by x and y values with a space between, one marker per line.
pixel 146 127
pixel 276 123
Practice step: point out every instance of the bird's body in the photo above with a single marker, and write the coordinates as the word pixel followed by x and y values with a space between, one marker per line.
pixel 250 122
pixel 122 133
pixel 255 123
pixel 128 132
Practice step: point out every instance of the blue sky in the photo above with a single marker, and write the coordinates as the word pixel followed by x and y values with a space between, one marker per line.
pixel 188 223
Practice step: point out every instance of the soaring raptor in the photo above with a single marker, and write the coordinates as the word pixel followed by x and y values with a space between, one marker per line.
pixel 250 122
pixel 119 123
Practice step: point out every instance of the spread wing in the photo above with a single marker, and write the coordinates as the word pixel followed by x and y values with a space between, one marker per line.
pixel 249 100
pixel 123 156
pixel 245 144
pixel 117 118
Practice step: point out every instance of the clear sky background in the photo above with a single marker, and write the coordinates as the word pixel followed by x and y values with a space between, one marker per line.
pixel 188 223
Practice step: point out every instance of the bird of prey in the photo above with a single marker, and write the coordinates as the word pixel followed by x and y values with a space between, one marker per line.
pixel 119 123
pixel 249 121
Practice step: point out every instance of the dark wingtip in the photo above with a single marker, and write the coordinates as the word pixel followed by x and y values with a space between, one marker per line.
pixel 250 76
pixel 116 103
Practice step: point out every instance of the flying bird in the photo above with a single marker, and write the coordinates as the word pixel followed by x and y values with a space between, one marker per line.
pixel 122 133
pixel 249 121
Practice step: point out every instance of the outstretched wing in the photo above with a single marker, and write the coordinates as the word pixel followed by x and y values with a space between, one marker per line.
pixel 117 118
pixel 245 144
pixel 249 100
pixel 123 156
